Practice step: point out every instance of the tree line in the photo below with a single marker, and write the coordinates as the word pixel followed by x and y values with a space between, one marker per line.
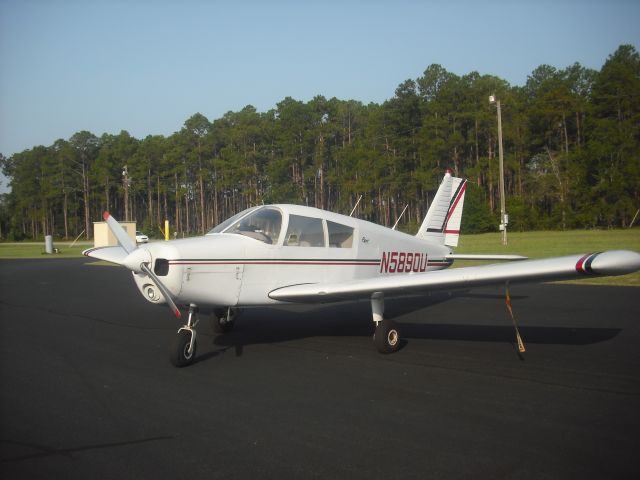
pixel 571 142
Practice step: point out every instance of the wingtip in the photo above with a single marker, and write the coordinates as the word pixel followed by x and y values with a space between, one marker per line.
pixel 105 215
pixel 177 313
pixel 612 262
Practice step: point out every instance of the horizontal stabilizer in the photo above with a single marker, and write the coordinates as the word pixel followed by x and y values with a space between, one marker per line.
pixel 464 256
pixel 109 254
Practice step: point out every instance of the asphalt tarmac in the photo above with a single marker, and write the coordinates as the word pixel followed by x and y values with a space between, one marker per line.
pixel 87 389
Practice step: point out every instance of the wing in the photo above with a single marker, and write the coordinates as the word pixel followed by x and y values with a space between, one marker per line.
pixel 615 262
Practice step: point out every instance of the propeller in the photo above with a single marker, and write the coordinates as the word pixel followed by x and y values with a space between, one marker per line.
pixel 138 260
pixel 119 232
pixel 165 291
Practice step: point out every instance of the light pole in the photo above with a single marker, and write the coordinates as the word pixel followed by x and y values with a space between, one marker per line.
pixel 504 218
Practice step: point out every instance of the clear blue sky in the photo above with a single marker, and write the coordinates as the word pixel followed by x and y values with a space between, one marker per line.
pixel 146 66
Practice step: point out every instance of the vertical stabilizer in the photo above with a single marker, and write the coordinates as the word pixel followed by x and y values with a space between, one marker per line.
pixel 442 222
pixel 452 225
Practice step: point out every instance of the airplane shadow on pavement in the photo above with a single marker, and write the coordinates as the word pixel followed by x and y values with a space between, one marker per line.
pixel 275 324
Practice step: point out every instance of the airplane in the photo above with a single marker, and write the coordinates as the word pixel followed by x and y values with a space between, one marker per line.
pixel 283 254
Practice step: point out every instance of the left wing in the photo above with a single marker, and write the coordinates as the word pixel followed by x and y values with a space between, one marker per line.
pixel 614 262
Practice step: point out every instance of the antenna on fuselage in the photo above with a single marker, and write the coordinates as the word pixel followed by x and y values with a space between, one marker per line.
pixel 356 206
pixel 398 221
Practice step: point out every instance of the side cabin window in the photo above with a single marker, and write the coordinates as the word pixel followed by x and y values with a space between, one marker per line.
pixel 304 232
pixel 263 224
pixel 340 236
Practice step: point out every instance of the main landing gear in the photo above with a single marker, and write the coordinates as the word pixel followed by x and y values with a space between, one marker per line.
pixel 183 349
pixel 386 337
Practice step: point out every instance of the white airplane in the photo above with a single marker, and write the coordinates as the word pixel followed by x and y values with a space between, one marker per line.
pixel 276 254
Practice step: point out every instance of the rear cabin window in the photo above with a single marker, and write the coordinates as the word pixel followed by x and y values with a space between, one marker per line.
pixel 304 232
pixel 340 236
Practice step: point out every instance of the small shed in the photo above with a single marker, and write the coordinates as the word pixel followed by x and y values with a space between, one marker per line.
pixel 103 237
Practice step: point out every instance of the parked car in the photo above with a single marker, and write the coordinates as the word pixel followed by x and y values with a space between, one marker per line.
pixel 141 237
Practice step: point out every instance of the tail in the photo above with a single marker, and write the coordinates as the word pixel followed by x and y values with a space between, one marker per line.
pixel 442 222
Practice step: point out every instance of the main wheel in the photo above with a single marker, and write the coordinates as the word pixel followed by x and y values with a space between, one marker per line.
pixel 386 338
pixel 223 320
pixel 179 353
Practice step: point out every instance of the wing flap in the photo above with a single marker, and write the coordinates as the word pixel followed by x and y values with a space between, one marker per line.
pixel 616 262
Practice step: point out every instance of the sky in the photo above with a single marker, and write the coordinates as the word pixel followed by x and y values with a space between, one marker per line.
pixel 146 66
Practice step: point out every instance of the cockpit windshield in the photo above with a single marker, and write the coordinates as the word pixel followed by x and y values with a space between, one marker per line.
pixel 262 224
pixel 221 226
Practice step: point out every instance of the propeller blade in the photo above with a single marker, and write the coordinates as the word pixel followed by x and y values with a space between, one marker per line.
pixel 136 259
pixel 115 255
pixel 119 232
pixel 165 291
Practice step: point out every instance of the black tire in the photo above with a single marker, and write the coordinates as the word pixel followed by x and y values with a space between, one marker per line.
pixel 386 338
pixel 179 353
pixel 219 324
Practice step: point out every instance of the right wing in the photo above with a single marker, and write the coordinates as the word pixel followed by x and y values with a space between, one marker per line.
pixel 614 262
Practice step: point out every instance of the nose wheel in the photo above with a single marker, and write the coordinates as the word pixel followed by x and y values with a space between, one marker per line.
pixel 183 349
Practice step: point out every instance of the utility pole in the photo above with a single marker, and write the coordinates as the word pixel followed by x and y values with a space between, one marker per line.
pixel 126 183
pixel 504 218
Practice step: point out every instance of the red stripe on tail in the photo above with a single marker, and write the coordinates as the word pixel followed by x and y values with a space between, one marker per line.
pixel 455 203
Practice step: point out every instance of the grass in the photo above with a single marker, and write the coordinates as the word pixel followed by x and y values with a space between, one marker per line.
pixel 531 244
pixel 36 250
pixel 555 244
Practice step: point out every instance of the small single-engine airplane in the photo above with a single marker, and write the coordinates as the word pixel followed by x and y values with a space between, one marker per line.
pixel 275 254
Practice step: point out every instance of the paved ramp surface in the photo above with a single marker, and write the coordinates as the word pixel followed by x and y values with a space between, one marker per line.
pixel 87 390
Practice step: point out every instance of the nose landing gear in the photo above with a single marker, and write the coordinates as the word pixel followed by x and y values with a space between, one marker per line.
pixel 183 349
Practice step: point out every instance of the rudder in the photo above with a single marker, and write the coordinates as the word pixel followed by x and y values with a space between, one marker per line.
pixel 442 222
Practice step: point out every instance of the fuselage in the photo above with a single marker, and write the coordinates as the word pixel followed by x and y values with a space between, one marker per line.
pixel 265 248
